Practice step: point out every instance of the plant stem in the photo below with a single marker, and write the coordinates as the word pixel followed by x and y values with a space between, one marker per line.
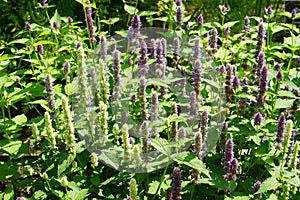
pixel 161 180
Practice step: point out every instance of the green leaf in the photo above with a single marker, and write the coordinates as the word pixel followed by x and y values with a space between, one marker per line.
pixel 230 24
pixel 160 145
pixel 64 161
pixel 71 88
pixel 19 41
pixel 55 18
pixel 189 159
pixel 146 13
pixel 284 93
pixel 11 147
pixel 20 119
pixel 43 42
pixel 9 193
pixel 130 9
pixel 269 184
pixel 39 195
pixel 283 103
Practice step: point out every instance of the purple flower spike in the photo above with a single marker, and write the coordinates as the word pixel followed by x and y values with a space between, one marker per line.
pixel 200 20
pixel 227 32
pixel 258 119
pixel 224 10
pixel 136 22
pixel 143 66
pixel 179 16
pixel 256 187
pixel 40 49
pixel 176 184
pixel 263 86
pixel 236 82
pixel 280 131
pixel 27 26
pixel 90 22
pixel 56 25
pixel 193 103
pixel 70 20
pixel 294 12
pixel 178 2
pixel 247 25
pixel 279 76
pixel 269 10
pixel 213 41
pixel 66 68
pixel 176 50
pixel 260 38
pixel 50 92
pixel 277 66
pixel 234 168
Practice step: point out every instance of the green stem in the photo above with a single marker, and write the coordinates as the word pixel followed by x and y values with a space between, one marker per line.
pixel 161 180
pixel 192 193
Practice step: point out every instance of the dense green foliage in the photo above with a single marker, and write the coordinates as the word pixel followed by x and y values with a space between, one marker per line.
pixel 45 62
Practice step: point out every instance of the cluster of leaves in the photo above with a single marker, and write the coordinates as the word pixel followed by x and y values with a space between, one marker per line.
pixel 30 168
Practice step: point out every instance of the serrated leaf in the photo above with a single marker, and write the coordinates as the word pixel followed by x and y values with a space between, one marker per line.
pixel 269 184
pixel 130 9
pixel 55 18
pixel 64 161
pixel 286 94
pixel 9 194
pixel 160 145
pixel 187 158
pixel 283 103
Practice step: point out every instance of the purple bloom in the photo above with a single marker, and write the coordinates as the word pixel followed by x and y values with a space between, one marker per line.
pixel 246 25
pixel 103 46
pixel 56 25
pixel 40 49
pixel 154 106
pixel 279 76
pixel 277 66
pixel 260 63
pixel 133 97
pixel 66 68
pixel 169 194
pixel 200 20
pixel 153 48
pixel 228 83
pixel 179 16
pixel 130 62
pixel 50 92
pixel 269 10
pixel 18 80
pixel 287 88
pixel 243 101
pixel 136 22
pixel 110 20
pixel 70 20
pixel 234 168
pixel 193 107
pixel 113 46
pixel 256 186
pixel 197 49
pixel 227 32
pixel 296 92
pixel 236 82
pixel 143 66
pixel 176 184
pixel 294 12
pixel 27 26
pixel 280 131
pixel 228 154
pixel 258 119
pixel 79 44
pixel 260 38
pixel 90 22
pixel 178 2
pixel 224 10
pixel 263 86
pixel 213 41
pixel 116 66
pixel 176 50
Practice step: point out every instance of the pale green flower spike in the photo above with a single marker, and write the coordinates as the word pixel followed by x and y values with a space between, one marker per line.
pixel 35 132
pixel 49 131
pixel 293 164
pixel 133 190
pixel 104 83
pixel 116 131
pixel 125 137
pixel 94 160
pixel 70 132
pixel 103 116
